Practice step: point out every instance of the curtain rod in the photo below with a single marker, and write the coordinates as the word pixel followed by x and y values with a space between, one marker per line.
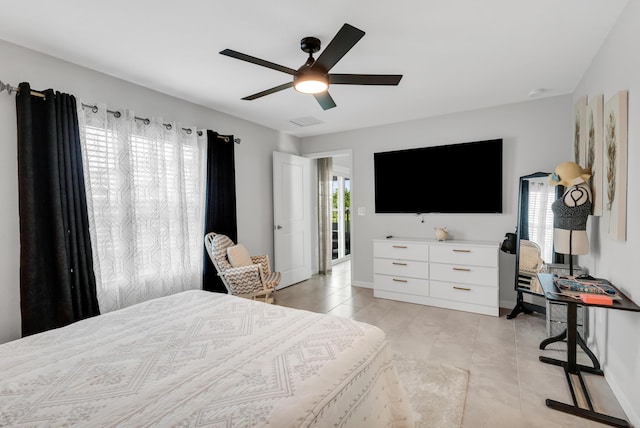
pixel 147 121
pixel 144 120
pixel 11 89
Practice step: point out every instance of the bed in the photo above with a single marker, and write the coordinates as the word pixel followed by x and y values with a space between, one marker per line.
pixel 203 359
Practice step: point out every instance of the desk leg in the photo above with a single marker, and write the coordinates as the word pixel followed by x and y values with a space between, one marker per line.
pixel 587 414
pixel 572 368
pixel 525 307
pixel 592 357
pixel 548 341
pixel 562 336
pixel 572 331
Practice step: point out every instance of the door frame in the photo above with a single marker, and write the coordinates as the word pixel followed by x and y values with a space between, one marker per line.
pixel 314 203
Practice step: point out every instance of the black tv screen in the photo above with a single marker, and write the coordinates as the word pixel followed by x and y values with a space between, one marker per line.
pixel 456 178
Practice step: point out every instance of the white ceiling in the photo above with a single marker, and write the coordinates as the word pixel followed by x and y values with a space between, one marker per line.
pixel 455 55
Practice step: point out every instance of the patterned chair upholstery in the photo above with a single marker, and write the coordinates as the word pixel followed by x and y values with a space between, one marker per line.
pixel 255 281
pixel 530 264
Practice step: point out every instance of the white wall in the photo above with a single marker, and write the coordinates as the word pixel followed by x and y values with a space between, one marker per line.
pixel 253 155
pixel 536 136
pixel 9 236
pixel 615 334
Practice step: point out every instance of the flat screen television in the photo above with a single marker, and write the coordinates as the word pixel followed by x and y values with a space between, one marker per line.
pixel 455 178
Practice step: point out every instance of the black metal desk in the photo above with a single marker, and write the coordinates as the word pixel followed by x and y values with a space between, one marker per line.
pixel 571 367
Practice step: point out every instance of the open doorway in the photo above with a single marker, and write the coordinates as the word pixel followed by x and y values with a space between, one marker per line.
pixel 342 192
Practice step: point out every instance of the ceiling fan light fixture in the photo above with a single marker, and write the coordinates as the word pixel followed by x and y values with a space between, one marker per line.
pixel 314 77
pixel 311 82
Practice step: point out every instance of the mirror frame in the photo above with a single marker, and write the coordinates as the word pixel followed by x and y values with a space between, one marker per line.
pixel 519 229
pixel 523 306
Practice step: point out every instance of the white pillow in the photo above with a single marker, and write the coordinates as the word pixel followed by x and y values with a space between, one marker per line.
pixel 239 256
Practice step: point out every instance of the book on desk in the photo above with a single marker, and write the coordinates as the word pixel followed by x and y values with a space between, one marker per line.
pixel 596 290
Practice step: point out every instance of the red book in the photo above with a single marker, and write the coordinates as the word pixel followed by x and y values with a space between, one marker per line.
pixel 596 299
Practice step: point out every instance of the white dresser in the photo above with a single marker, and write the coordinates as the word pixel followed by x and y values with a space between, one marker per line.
pixel 460 275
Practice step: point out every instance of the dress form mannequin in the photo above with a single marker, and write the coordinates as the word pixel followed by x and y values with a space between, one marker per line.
pixel 571 210
pixel 574 196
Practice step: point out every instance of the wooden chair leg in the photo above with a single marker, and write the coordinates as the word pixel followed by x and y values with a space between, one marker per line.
pixel 265 297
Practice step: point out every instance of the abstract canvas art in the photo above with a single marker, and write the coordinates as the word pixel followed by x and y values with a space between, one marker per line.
pixel 579 135
pixel 594 151
pixel 615 166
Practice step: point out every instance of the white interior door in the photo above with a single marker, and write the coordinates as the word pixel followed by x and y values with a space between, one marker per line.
pixel 292 217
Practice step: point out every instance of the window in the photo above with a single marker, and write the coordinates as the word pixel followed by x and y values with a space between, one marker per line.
pixel 541 218
pixel 144 193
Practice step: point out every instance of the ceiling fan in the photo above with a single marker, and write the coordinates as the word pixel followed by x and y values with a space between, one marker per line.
pixel 314 77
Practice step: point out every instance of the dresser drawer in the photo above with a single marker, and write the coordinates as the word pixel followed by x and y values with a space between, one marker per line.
pixel 401 250
pixel 464 254
pixel 466 274
pixel 400 284
pixel 408 268
pixel 475 294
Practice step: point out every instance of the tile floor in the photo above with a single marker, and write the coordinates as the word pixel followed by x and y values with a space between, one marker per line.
pixel 508 385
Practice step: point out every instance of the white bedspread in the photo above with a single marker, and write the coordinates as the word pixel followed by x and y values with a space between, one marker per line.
pixel 203 359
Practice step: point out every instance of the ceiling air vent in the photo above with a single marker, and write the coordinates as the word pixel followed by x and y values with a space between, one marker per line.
pixel 306 121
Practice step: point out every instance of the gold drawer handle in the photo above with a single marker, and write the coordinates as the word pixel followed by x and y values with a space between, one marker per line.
pixel 461 251
pixel 463 269
pixel 399 280
pixel 399 246
pixel 461 288
pixel 399 264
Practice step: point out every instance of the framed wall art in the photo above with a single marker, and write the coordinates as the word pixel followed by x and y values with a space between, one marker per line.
pixel 594 151
pixel 615 166
pixel 579 126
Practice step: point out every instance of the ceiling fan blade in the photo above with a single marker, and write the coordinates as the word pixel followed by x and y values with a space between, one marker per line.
pixel 346 38
pixel 365 79
pixel 258 61
pixel 325 100
pixel 269 91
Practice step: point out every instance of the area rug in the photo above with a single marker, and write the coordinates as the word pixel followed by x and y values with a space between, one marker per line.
pixel 437 391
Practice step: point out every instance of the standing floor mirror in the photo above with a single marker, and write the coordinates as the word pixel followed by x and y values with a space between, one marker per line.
pixel 534 242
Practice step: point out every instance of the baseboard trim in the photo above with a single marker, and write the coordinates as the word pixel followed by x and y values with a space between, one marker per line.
pixel 362 284
pixel 626 405
pixel 620 395
pixel 509 304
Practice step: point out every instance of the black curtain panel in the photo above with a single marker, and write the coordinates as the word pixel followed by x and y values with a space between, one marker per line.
pixel 220 207
pixel 523 227
pixel 557 257
pixel 57 282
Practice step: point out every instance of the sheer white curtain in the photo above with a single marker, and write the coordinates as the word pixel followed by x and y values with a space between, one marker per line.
pixel 325 198
pixel 144 182
pixel 541 196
